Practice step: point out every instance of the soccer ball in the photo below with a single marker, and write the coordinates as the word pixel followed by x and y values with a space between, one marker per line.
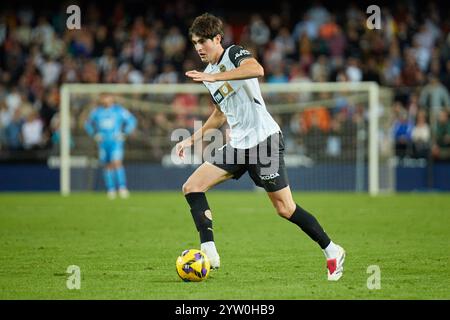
pixel 193 265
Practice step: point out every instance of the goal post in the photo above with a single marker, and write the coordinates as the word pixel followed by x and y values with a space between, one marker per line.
pixel 369 91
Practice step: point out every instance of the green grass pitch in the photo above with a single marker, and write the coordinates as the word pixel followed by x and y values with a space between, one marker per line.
pixel 126 249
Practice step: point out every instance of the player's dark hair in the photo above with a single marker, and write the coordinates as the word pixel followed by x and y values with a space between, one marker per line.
pixel 206 26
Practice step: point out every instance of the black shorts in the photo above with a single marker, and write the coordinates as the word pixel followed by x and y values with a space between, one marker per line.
pixel 264 162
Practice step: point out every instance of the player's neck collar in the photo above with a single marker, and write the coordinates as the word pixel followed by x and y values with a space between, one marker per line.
pixel 221 57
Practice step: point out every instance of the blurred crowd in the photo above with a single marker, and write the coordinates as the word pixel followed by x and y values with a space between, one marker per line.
pixel 149 44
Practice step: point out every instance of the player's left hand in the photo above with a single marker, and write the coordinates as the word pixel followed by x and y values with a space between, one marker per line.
pixel 200 76
pixel 119 137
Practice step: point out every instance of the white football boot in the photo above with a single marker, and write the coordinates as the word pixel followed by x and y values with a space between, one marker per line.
pixel 335 266
pixel 111 194
pixel 209 248
pixel 124 193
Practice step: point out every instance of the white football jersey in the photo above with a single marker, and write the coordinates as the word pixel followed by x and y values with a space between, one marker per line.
pixel 241 102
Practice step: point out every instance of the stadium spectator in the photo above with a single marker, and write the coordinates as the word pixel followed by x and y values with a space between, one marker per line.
pixel 56 133
pixel 259 31
pixel 441 145
pixel 434 97
pixel 316 124
pixel 328 29
pixel 13 99
pixel 411 74
pixel 353 71
pixel 320 70
pixel 370 71
pixel 48 109
pixel 5 114
pixel 421 136
pixel 185 107
pixel 337 44
pixel 446 76
pixel 317 117
pixel 413 107
pixel 13 131
pixel 278 76
pixel 32 131
pixel 283 41
pixel 345 128
pixel 174 45
pixel 273 57
pixel 392 66
pixel 305 27
pixel 402 131
pixel 90 73
pixel 298 75
pixel 168 75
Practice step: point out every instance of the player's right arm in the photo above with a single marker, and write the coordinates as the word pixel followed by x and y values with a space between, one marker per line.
pixel 215 121
pixel 91 126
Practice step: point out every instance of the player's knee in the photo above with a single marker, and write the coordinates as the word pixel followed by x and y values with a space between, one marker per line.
pixel 284 209
pixel 109 166
pixel 117 164
pixel 189 187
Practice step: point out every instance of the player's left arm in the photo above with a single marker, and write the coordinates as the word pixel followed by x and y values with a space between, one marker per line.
pixel 246 67
pixel 130 121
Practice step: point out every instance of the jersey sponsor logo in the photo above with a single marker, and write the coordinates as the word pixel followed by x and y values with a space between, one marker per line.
pixel 222 68
pixel 222 92
pixel 242 52
pixel 107 123
pixel 270 176
pixel 218 97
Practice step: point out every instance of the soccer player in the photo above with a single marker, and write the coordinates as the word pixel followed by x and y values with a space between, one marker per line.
pixel 231 78
pixel 108 124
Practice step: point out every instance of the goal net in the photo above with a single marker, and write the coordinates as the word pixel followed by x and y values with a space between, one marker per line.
pixel 337 135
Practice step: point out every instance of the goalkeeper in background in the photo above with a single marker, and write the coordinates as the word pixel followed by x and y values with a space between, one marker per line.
pixel 108 124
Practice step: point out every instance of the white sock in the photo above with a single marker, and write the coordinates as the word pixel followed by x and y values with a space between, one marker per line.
pixel 208 247
pixel 331 251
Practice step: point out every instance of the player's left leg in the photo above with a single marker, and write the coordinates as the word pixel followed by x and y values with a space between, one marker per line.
pixel 270 173
pixel 119 170
pixel 287 208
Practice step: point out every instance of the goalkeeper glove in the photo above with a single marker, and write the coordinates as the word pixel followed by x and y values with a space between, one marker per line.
pixel 98 137
pixel 119 137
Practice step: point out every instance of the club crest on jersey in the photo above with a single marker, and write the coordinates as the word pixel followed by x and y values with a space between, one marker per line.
pixel 222 68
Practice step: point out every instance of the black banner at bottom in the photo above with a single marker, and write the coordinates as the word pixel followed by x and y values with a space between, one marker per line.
pixel 219 309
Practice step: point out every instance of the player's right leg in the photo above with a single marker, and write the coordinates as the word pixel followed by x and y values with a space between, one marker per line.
pixel 108 171
pixel 274 180
pixel 108 176
pixel 205 177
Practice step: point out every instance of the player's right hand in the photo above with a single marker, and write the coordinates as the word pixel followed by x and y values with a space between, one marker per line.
pixel 98 137
pixel 180 146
